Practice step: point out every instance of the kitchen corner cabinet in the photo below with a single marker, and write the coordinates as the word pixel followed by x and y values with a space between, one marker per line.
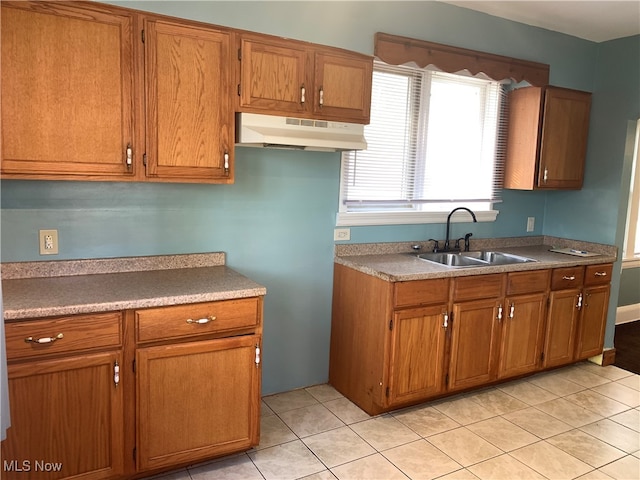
pixel 547 138
pixel 286 77
pixel 95 92
pixel 65 397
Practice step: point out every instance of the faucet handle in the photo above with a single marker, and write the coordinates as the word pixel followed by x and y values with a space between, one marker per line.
pixel 466 241
pixel 436 246
pixel 457 244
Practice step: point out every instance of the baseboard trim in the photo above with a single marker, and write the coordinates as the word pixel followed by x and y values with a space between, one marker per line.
pixel 609 357
pixel 627 313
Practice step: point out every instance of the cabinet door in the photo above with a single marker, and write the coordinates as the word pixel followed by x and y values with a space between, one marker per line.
pixel 67 83
pixel 342 87
pixel 562 322
pixel 522 334
pixel 475 341
pixel 197 400
pixel 563 143
pixel 273 76
pixel 190 124
pixel 67 419
pixel 592 322
pixel 417 353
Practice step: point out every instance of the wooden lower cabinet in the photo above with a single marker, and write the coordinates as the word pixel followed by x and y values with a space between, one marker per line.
pixel 197 400
pixel 417 355
pixel 66 419
pixel 395 344
pixel 592 322
pixel 474 343
pixel 119 395
pixel 522 334
pixel 562 322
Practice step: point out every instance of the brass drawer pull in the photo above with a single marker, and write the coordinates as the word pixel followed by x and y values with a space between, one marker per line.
pixel 572 277
pixel 202 321
pixel 600 274
pixel 44 339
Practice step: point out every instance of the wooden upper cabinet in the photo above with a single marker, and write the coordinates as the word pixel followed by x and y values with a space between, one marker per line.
pixel 287 77
pixel 273 75
pixel 547 141
pixel 67 91
pixel 189 113
pixel 342 86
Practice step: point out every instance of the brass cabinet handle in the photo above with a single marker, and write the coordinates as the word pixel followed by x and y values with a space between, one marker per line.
pixel 44 339
pixel 512 310
pixel 445 322
pixel 600 274
pixel 500 313
pixel 572 277
pixel 303 92
pixel 321 100
pixel 202 321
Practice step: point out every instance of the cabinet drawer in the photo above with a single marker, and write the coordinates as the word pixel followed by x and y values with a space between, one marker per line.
pixel 34 338
pixel 421 292
pixel 528 282
pixel 196 319
pixel 565 278
pixel 476 287
pixel 598 274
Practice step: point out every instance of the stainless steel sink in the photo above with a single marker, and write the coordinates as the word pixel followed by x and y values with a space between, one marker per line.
pixel 452 259
pixel 498 258
pixel 473 259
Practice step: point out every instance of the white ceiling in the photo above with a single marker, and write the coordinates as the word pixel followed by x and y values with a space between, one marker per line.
pixel 595 20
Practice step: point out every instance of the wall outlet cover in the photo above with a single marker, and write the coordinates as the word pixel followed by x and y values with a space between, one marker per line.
pixel 48 242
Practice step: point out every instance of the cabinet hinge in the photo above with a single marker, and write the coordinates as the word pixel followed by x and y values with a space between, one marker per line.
pixel 144 159
pixel 238 89
pixel 446 379
pixel 134 455
pixel 542 356
pixel 134 366
pixel 391 324
pixel 239 54
pixel 386 392
pixel 142 35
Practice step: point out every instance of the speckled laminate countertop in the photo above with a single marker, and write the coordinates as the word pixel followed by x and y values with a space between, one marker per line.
pixel 396 262
pixel 35 289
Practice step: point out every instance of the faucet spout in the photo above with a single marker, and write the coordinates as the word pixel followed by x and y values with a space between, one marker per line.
pixel 473 215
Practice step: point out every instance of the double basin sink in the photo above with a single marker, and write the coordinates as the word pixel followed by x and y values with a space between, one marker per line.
pixel 473 259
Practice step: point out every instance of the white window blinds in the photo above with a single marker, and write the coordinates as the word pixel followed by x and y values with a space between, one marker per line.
pixel 434 140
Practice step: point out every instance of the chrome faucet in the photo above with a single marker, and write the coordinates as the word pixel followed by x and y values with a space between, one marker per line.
pixel 466 243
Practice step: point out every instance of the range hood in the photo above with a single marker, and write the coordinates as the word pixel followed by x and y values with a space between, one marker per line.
pixel 255 130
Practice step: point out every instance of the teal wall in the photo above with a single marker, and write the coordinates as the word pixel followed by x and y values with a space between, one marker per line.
pixel 276 222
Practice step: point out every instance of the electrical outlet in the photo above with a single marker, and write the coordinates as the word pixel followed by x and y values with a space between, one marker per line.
pixel 48 242
pixel 531 224
pixel 340 234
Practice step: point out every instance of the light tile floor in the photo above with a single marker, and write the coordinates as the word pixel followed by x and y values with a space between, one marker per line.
pixel 582 421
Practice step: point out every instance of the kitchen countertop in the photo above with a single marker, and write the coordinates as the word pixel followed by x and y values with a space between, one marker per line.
pixel 42 289
pixel 396 262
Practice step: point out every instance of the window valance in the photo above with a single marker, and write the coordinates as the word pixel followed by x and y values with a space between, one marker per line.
pixel 396 50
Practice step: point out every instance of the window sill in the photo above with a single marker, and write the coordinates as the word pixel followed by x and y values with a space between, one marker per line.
pixel 354 219
pixel 632 262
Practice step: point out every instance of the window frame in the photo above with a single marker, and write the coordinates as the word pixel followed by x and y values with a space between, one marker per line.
pixel 353 217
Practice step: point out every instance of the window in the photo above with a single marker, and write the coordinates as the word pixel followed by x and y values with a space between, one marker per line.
pixel 433 144
pixel 631 250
